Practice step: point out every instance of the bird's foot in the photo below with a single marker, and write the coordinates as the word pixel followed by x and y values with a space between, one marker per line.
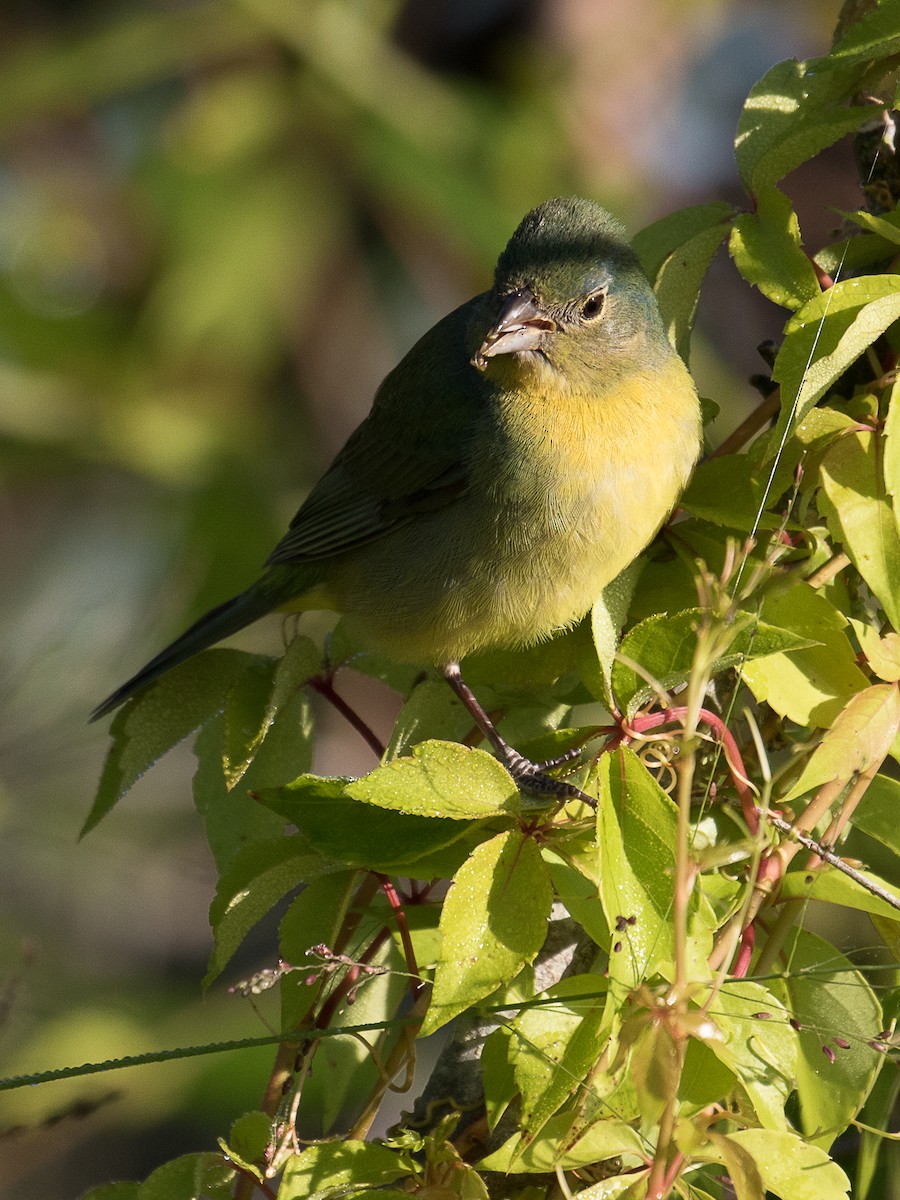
pixel 533 778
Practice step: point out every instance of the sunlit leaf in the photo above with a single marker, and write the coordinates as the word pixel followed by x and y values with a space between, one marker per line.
pixel 767 251
pixel 494 921
pixel 828 334
pixel 860 515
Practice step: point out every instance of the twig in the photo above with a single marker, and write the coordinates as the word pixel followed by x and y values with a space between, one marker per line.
pixel 750 425
pixel 324 685
pixel 832 859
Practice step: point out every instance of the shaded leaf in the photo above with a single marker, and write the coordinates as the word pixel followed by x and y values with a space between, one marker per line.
pixel 664 646
pixel 259 876
pixel 322 1171
pixel 160 717
pixel 789 116
pixel 829 998
pixel 363 835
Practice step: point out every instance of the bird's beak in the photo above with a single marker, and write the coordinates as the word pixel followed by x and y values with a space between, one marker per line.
pixel 521 325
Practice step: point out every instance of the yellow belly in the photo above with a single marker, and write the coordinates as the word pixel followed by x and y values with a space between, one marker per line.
pixel 539 533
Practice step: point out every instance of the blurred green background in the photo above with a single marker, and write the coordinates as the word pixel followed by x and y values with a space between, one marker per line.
pixel 220 225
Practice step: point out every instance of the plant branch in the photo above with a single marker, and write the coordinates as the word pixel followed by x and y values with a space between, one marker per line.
pixel 324 685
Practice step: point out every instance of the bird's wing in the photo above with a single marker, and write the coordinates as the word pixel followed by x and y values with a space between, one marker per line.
pixel 408 457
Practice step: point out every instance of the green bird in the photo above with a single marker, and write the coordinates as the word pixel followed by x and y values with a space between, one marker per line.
pixel 524 451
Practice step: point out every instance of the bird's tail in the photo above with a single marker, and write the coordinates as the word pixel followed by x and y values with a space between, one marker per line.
pixel 220 622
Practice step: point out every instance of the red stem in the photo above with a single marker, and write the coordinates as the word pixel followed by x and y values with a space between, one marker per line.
pixel 649 721
pixel 324 685
pixel 393 900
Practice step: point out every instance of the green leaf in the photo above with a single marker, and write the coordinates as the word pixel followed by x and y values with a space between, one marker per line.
pixel 789 116
pixel 257 697
pixel 742 1170
pixel 761 1052
pixel 705 1079
pixel 834 887
pixel 860 738
pixel 113 1191
pixel 608 618
pixel 553 1046
pixel 259 876
pixel 344 1072
pixel 494 921
pixel 879 810
pixel 790 1167
pixel 829 998
pixel 870 37
pixel 233 819
pixel 887 225
pixel 636 832
pixel 441 779
pixel 860 515
pixel 188 1177
pixel 322 1171
pixel 654 1068
pixel 678 281
pixel 350 832
pixel 891 450
pixel 431 711
pixel 877 1113
pixel 825 337
pixel 160 717
pixel 612 1189
pixel 314 918
pixel 250 1135
pixel 664 646
pixel 655 245
pixel 767 251
pixel 555 1148
pixel 810 686
pixel 730 491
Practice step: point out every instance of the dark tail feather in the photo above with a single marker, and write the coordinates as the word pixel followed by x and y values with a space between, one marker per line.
pixel 212 627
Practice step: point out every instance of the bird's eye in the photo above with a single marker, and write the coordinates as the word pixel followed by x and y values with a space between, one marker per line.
pixel 593 306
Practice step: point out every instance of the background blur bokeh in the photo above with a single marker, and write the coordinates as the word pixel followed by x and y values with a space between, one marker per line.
pixel 221 222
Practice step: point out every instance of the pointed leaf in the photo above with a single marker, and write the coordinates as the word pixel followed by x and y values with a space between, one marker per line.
pixel 257 879
pixel 790 115
pixel 494 921
pixel 825 337
pixel 350 832
pixel 766 249
pixel 160 717
pixel 440 779
pixel 860 515
pixel 664 647
pixel 829 998
pixel 323 1171
pixel 812 685
pixel 608 617
pixel 860 738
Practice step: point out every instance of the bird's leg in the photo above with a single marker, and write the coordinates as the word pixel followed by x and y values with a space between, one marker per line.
pixel 529 776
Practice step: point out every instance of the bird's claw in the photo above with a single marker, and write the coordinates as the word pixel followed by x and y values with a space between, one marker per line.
pixel 532 778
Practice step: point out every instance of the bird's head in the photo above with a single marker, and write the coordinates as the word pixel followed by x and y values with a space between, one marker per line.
pixel 569 295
